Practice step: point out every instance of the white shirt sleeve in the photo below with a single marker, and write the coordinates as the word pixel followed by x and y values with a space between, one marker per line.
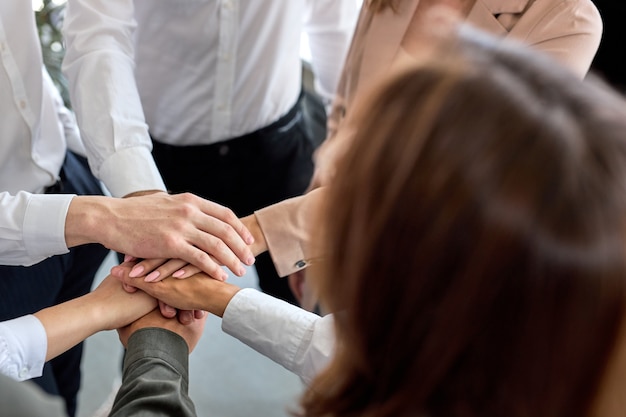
pixel 23 347
pixel 329 25
pixel 65 117
pixel 99 65
pixel 32 227
pixel 300 341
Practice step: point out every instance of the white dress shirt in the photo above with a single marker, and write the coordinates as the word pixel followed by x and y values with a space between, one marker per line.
pixel 36 129
pixel 207 70
pixel 300 341
pixel 33 143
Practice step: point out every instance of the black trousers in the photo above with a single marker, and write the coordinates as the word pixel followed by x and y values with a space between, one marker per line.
pixel 25 290
pixel 245 174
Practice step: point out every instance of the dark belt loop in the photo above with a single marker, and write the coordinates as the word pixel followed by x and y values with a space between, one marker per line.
pixel 56 188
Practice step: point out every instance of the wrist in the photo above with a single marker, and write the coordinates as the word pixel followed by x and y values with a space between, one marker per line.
pixel 83 219
pixel 260 244
pixel 220 298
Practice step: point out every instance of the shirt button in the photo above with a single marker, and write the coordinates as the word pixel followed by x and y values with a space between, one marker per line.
pixel 224 150
pixel 300 264
pixel 1 46
pixel 22 104
pixel 23 374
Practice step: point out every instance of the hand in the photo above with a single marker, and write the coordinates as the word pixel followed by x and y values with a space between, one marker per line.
pixel 260 244
pixel 159 225
pixel 105 308
pixel 194 293
pixel 157 269
pixel 115 307
pixel 131 269
pixel 190 333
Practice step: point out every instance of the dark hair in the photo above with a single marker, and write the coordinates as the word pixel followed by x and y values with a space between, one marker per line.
pixel 476 241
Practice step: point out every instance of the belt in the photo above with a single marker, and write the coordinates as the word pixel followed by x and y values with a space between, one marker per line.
pixel 57 187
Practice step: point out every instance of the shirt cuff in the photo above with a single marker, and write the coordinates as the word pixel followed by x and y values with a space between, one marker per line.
pixel 156 342
pixel 287 227
pixel 25 346
pixel 130 170
pixel 44 224
pixel 272 327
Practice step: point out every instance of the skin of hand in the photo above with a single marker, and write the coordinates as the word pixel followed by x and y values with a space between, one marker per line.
pixel 107 307
pixel 194 293
pixel 156 269
pixel 191 333
pixel 160 225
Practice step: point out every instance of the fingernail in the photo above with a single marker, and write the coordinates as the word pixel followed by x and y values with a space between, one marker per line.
pixel 116 272
pixel 127 258
pixel 250 239
pixel 179 273
pixel 170 310
pixel 241 271
pixel 223 276
pixel 136 271
pixel 152 276
pixel 250 261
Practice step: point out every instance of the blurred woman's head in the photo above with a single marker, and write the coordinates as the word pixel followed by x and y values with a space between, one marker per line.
pixel 476 239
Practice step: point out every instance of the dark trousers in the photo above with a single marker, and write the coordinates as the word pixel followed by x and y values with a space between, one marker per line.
pixel 245 174
pixel 26 290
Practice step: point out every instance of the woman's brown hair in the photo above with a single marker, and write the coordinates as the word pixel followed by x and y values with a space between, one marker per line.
pixel 476 242
pixel 379 5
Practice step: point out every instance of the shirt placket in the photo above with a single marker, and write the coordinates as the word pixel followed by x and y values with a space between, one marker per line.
pixel 19 90
pixel 225 71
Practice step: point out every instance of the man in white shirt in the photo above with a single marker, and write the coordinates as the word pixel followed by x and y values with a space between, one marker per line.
pixel 34 160
pixel 219 82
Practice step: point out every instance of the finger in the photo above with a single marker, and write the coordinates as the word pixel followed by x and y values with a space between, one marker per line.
pixel 167 311
pixel 186 272
pixel 146 266
pixel 227 216
pixel 186 317
pixel 165 270
pixel 118 271
pixel 204 261
pixel 222 223
pixel 128 288
pixel 129 258
pixel 214 245
pixel 121 270
pixel 199 314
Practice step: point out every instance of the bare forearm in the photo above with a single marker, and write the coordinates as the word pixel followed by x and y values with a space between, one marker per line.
pixel 69 323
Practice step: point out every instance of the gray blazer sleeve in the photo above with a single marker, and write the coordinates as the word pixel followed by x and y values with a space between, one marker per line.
pixel 155 380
